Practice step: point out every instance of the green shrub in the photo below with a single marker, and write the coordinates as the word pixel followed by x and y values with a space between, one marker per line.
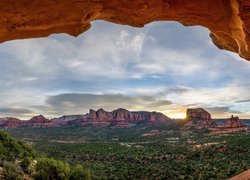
pixel 11 149
pixel 25 165
pixel 12 171
pixel 80 173
pixel 48 168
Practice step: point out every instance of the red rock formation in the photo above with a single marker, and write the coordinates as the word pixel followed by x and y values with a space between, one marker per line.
pixel 199 118
pixel 67 119
pixel 151 133
pixel 198 113
pixel 242 176
pixel 38 121
pixel 119 118
pixel 233 122
pixel 92 114
pixel 228 20
pixel 123 118
pixel 11 122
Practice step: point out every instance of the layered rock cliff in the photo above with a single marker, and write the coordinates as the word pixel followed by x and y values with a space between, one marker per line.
pixel 36 121
pixel 10 122
pixel 228 20
pixel 199 118
pixel 233 122
pixel 119 118
pixel 123 118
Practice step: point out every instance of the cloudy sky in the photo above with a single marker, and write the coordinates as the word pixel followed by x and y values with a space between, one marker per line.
pixel 162 67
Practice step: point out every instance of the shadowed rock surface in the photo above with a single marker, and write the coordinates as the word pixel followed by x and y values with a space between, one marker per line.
pixel 198 118
pixel 228 20
pixel 124 118
pixel 233 122
pixel 120 118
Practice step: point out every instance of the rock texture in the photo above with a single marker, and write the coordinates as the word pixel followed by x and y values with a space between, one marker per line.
pixel 68 119
pixel 199 118
pixel 228 20
pixel 10 122
pixel 36 121
pixel 243 176
pixel 123 118
pixel 233 122
pixel 120 118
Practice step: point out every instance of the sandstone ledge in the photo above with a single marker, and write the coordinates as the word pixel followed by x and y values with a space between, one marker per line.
pixel 228 20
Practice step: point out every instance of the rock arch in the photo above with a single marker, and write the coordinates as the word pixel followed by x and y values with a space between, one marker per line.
pixel 227 20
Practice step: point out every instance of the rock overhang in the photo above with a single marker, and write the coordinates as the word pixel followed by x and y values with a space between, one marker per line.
pixel 227 20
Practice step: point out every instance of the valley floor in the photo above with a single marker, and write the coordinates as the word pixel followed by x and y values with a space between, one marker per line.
pixel 124 153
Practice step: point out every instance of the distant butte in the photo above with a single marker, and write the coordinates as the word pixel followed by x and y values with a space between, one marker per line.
pixel 199 118
pixel 228 20
pixel 119 118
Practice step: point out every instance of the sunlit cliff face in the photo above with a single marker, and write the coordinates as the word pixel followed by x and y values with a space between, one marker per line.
pixel 162 67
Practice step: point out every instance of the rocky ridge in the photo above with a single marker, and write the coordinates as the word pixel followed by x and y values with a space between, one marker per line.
pixel 233 122
pixel 123 118
pixel 199 118
pixel 119 118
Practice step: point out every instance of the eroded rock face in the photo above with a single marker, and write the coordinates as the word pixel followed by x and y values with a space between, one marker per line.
pixel 120 118
pixel 36 121
pixel 123 118
pixel 198 113
pixel 199 118
pixel 67 119
pixel 39 119
pixel 10 122
pixel 228 20
pixel 233 122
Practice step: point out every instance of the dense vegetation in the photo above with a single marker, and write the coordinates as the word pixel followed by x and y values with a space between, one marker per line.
pixel 157 159
pixel 18 160
pixel 124 153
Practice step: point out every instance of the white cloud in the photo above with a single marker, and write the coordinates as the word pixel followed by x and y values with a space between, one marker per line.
pixel 115 59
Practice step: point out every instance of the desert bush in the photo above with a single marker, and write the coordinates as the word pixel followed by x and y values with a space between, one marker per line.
pixel 12 149
pixel 79 172
pixel 25 165
pixel 47 168
pixel 12 171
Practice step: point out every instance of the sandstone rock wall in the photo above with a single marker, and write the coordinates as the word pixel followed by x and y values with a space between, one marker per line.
pixel 199 118
pixel 198 113
pixel 233 122
pixel 118 118
pixel 123 118
pixel 228 20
